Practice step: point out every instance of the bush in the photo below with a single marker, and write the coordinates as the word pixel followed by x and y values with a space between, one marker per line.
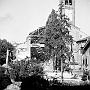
pixel 35 82
pixel 2 69
pixel 85 74
pixel 4 79
pixel 38 83
pixel 84 77
pixel 22 69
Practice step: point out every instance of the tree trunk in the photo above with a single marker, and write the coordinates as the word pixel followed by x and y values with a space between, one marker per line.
pixel 61 70
pixel 52 56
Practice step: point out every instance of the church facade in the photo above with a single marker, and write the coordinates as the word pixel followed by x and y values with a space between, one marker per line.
pixel 69 11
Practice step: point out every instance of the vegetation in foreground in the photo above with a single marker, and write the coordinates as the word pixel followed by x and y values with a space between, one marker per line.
pixel 32 76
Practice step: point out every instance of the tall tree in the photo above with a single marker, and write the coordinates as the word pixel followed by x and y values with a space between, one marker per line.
pixel 58 38
pixel 4 45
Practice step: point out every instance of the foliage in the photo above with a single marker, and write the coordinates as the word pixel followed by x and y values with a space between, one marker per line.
pixel 4 45
pixel 84 78
pixel 4 79
pixel 35 82
pixel 57 35
pixel 38 83
pixel 2 70
pixel 22 69
pixel 85 75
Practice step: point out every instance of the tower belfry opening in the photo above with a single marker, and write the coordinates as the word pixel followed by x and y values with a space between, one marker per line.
pixel 68 2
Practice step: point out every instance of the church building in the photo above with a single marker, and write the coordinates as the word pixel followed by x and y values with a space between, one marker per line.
pixel 69 11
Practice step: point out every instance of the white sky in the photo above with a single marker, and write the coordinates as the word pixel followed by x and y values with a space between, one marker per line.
pixel 19 17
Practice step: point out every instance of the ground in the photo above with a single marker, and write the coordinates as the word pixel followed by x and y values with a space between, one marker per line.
pixel 14 86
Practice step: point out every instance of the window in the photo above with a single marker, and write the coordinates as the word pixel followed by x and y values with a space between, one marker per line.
pixel 83 61
pixel 68 2
pixel 86 63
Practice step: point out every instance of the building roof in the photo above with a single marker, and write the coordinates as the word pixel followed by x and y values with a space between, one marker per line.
pixel 86 46
pixel 83 40
pixel 37 31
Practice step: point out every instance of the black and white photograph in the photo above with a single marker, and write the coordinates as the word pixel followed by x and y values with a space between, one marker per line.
pixel 44 44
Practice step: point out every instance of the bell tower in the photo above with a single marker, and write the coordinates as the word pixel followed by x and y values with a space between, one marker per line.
pixel 69 10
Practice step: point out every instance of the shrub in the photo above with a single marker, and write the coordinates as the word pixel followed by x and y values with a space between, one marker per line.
pixel 84 77
pixel 38 83
pixel 4 79
pixel 35 82
pixel 22 69
pixel 2 69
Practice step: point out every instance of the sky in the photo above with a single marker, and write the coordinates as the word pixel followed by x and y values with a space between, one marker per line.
pixel 20 17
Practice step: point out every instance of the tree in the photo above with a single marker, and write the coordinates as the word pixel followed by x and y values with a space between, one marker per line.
pixel 4 45
pixel 58 38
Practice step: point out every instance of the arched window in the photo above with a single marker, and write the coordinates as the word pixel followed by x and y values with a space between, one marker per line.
pixel 68 2
pixel 86 62
pixel 83 62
